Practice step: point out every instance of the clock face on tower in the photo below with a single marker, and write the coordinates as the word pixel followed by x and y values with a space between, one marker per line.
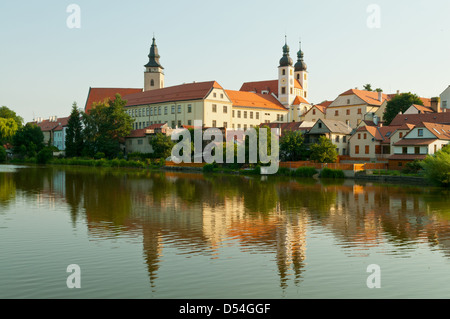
pixel 283 81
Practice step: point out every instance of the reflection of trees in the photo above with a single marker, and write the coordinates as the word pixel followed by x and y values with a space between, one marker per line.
pixel 7 189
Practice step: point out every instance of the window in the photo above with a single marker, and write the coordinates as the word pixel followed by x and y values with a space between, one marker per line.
pixel 444 104
pixel 365 136
pixel 400 134
pixel 282 117
pixel 337 139
pixel 291 90
pixel 189 108
pixel 417 150
pixel 359 111
pixel 367 149
pixel 215 94
pixel 221 96
pixel 404 150
pixel 348 112
pixel 239 114
pixel 283 90
pixel 151 111
pixel 257 115
pixel 225 109
pixel 172 109
pixel 359 136
pixel 344 139
pixel 245 127
pixel 214 123
pixel 251 115
pixel 348 101
pixel 189 122
pixel 232 113
pixel 298 76
pixel 320 125
pixel 283 72
pixel 420 132
pixel 356 149
pixel 140 142
pixel 214 108
pixel 245 114
pixel 239 126
pixel 400 163
pixel 148 111
pixel 140 112
pixel 225 124
pixel 152 83
pixel 173 124
pixel 166 110
pixel 336 113
pixel 179 109
pixel 179 123
pixel 314 111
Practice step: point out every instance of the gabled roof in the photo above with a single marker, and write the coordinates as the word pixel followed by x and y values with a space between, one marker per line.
pixel 249 99
pixel 442 118
pixel 370 97
pixel 271 86
pixel 52 125
pixel 423 109
pixel 441 131
pixel 146 130
pixel 298 100
pixel 325 103
pixel 259 86
pixel 335 126
pixel 291 126
pixel 183 92
pixel 97 95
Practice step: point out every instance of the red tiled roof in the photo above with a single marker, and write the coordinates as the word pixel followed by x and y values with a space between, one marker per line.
pixel 143 131
pixel 370 97
pixel 415 141
pixel 97 95
pixel 423 109
pixel 298 100
pixel 271 86
pixel 183 92
pixel 411 157
pixel 54 125
pixel 259 86
pixel 441 131
pixel 442 118
pixel 248 99
pixel 325 103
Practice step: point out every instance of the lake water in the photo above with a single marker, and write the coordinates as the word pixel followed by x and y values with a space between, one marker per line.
pixel 141 234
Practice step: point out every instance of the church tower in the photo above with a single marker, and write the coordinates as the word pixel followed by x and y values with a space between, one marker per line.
pixel 286 78
pixel 153 75
pixel 301 73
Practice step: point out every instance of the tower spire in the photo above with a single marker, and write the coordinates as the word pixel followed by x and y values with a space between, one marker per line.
pixel 153 56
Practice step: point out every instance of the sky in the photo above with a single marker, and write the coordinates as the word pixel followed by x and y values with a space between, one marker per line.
pixel 46 64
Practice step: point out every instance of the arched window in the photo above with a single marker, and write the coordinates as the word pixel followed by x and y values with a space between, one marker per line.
pixel 152 83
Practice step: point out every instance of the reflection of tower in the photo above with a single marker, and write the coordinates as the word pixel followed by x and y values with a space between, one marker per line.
pixel 152 250
pixel 291 247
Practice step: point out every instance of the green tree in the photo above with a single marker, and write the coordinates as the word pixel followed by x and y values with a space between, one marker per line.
pixel 28 141
pixel 399 103
pixel 8 127
pixel 368 87
pixel 162 145
pixel 292 146
pixel 105 126
pixel 437 167
pixel 324 151
pixel 45 155
pixel 74 136
pixel 6 113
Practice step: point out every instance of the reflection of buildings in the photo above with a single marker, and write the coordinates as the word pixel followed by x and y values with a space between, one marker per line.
pixel 199 215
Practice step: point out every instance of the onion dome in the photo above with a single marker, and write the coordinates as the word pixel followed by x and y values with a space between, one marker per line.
pixel 300 65
pixel 286 59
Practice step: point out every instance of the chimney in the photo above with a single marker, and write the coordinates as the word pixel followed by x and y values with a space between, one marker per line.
pixel 435 104
pixel 380 96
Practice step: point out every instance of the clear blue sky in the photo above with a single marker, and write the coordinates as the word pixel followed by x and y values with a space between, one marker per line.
pixel 45 66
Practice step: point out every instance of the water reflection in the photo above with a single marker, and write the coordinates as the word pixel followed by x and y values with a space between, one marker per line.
pixel 200 215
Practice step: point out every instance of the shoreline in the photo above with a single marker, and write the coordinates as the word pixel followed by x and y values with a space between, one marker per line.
pixel 246 172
